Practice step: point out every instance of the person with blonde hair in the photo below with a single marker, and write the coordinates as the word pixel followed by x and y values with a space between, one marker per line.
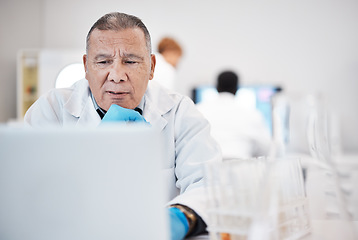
pixel 169 54
pixel 170 50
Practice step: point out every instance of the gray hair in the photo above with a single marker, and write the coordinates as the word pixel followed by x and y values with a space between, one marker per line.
pixel 119 21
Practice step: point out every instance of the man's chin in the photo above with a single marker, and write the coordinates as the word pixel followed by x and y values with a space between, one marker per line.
pixel 122 104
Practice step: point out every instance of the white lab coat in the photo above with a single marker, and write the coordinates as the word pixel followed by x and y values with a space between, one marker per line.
pixel 186 132
pixel 164 73
pixel 241 131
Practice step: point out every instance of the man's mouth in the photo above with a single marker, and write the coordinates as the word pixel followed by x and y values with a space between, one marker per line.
pixel 116 93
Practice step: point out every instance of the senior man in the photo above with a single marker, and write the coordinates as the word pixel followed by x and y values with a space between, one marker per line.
pixel 119 65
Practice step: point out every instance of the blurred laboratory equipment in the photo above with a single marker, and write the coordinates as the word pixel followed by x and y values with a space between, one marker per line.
pixel 304 126
pixel 305 188
pixel 257 199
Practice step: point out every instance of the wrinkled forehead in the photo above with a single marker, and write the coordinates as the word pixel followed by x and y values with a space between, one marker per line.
pixel 132 37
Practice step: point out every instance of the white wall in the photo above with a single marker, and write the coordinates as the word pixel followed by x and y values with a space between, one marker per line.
pixel 20 27
pixel 306 46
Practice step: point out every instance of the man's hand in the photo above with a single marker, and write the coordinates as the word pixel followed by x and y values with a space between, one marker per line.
pixel 179 225
pixel 119 114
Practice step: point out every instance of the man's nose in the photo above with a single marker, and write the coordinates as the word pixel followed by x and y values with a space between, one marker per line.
pixel 117 73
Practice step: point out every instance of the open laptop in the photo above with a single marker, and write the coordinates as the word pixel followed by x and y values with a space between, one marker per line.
pixel 82 183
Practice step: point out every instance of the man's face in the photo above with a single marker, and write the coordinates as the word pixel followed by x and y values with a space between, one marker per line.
pixel 118 67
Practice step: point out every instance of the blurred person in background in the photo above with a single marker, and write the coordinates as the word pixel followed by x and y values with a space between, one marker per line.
pixel 168 57
pixel 240 130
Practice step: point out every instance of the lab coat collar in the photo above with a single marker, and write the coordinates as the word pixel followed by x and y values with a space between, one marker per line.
pixel 157 103
pixel 80 104
pixel 226 95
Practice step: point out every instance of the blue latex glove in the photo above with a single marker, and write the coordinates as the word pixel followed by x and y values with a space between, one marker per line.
pixel 119 114
pixel 179 225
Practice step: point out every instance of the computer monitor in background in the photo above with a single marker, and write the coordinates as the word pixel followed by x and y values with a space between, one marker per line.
pixel 258 96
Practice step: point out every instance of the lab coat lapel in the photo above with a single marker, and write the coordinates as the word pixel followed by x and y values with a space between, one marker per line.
pixel 154 116
pixel 157 103
pixel 89 116
pixel 80 106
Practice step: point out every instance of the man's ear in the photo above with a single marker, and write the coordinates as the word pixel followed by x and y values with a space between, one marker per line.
pixel 84 59
pixel 152 66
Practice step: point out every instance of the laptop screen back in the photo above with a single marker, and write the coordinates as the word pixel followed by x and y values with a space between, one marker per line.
pixel 102 183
